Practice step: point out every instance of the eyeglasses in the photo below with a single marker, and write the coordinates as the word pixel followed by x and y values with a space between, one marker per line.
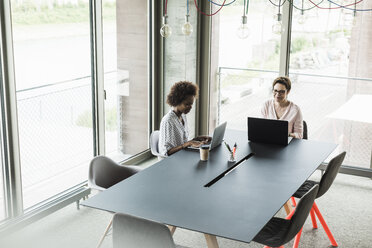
pixel 280 92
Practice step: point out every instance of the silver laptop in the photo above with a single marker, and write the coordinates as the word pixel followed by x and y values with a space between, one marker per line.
pixel 217 138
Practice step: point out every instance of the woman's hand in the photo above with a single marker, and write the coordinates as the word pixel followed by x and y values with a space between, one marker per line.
pixel 203 138
pixel 292 135
pixel 192 143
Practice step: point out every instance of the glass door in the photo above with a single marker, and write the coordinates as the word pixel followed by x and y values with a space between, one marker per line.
pixel 52 60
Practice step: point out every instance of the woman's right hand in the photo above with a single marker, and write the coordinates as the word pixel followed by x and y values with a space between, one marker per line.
pixel 192 143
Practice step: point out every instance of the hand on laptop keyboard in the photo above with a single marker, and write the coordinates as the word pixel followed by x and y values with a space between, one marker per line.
pixel 203 138
pixel 195 143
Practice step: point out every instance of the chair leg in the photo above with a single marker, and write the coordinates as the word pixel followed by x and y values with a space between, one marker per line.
pixel 297 239
pixel 105 233
pixel 324 224
pixel 293 201
pixel 172 229
pixel 313 219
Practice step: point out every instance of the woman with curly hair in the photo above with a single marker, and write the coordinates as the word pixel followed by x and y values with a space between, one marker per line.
pixel 174 132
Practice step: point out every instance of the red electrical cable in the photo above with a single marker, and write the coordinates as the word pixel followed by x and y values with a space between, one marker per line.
pixel 165 8
pixel 196 5
pixel 336 7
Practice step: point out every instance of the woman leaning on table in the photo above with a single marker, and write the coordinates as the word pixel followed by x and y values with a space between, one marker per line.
pixel 174 132
pixel 280 108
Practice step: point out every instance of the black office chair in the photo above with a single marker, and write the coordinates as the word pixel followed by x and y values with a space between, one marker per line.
pixel 104 173
pixel 324 184
pixel 304 136
pixel 278 231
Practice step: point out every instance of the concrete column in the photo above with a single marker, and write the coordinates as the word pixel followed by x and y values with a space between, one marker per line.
pixel 132 62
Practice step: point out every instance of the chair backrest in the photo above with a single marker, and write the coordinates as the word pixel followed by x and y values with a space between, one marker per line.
pixel 330 173
pixel 104 172
pixel 304 136
pixel 302 211
pixel 154 143
pixel 132 232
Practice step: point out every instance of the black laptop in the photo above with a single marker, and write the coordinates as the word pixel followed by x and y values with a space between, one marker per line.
pixel 268 131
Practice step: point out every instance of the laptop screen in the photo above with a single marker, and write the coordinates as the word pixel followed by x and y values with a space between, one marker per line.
pixel 269 131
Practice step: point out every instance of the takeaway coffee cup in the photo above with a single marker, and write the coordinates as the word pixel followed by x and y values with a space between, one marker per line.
pixel 204 152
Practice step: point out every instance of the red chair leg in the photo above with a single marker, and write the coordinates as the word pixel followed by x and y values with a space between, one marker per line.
pixel 313 219
pixel 297 239
pixel 293 201
pixel 324 224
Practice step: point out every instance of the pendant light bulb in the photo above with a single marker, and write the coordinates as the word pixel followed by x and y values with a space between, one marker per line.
pixel 165 29
pixel 277 28
pixel 302 19
pixel 187 27
pixel 243 30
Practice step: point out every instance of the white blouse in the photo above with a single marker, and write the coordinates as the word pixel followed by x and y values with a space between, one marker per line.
pixel 172 132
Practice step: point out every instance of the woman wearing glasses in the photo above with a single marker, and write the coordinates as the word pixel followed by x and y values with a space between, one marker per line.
pixel 280 108
pixel 174 132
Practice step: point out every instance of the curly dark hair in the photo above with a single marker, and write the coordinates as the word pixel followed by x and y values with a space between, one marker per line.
pixel 284 81
pixel 180 91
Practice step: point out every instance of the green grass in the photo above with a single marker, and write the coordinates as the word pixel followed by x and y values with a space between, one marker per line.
pixel 29 14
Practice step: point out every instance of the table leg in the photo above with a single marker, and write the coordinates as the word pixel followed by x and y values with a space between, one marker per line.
pixel 288 207
pixel 211 241
pixel 105 233
pixel 172 229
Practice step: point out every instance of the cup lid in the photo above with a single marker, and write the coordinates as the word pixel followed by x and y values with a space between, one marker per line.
pixel 204 147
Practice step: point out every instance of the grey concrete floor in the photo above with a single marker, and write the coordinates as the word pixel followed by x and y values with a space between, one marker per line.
pixel 346 208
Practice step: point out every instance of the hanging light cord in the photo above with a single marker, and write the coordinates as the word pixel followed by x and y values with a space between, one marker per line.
pixel 220 4
pixel 165 7
pixel 187 4
pixel 339 6
pixel 246 10
pixel 201 12
pixel 345 6
pixel 294 6
pixel 277 5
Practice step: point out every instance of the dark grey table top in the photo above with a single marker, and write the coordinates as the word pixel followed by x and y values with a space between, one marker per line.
pixel 237 206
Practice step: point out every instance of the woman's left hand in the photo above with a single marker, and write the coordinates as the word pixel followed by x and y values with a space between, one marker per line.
pixel 203 138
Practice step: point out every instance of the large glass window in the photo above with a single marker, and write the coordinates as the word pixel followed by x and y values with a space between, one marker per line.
pixel 332 79
pixel 126 80
pixel 2 193
pixel 329 68
pixel 248 60
pixel 180 52
pixel 53 83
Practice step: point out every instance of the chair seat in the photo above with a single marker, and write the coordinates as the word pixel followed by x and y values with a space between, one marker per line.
pixel 273 233
pixel 305 187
